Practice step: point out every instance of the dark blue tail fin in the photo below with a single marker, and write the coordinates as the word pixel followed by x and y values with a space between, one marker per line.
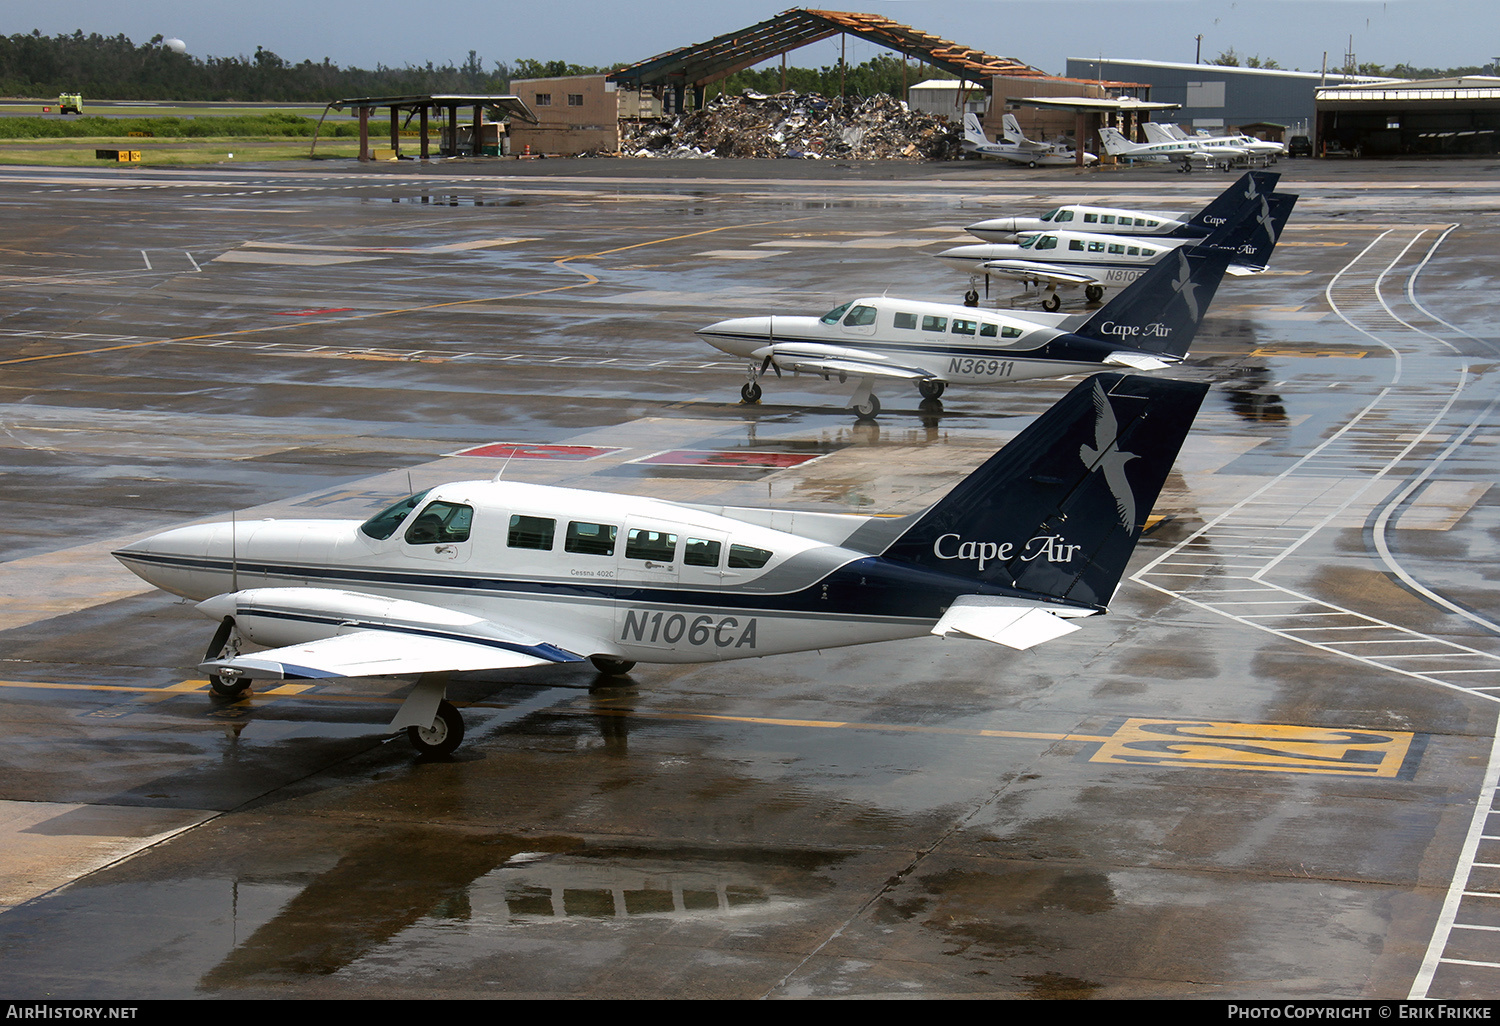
pixel 1159 311
pixel 1057 511
pixel 1217 214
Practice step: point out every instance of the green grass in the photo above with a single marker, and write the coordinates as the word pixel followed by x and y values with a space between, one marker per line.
pixel 159 152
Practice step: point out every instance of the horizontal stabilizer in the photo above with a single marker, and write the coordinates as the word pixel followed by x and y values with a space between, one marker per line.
pixel 1136 361
pixel 1002 621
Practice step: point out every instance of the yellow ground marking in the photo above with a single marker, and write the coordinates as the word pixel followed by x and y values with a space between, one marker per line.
pixel 1184 744
pixel 1287 351
pixel 589 279
pixel 1257 746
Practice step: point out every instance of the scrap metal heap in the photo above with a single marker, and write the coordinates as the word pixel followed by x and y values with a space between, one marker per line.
pixel 796 125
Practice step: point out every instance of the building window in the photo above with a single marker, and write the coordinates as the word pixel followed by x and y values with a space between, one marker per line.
pixel 575 99
pixel 544 99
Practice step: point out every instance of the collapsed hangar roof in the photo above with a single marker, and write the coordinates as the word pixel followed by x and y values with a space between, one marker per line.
pixel 720 57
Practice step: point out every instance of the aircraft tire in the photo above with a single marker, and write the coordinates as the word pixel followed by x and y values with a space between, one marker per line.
pixel 1093 293
pixel 612 667
pixel 931 389
pixel 229 687
pixel 869 410
pixel 750 393
pixel 1051 302
pixel 1031 163
pixel 445 734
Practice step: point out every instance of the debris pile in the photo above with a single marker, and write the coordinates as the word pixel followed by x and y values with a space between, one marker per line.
pixel 806 126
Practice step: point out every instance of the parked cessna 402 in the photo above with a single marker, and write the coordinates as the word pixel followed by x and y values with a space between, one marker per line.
pixel 1148 326
pixel 1119 221
pixel 1255 151
pixel 1016 147
pixel 480 575
pixel 1093 260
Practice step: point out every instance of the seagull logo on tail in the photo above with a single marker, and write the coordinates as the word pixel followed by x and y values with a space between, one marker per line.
pixel 1109 459
pixel 1185 287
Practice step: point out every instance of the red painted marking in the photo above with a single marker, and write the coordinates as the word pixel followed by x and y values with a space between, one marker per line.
pixel 729 458
pixel 509 450
pixel 312 313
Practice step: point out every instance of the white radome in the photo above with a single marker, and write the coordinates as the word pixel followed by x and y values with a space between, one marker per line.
pixel 175 45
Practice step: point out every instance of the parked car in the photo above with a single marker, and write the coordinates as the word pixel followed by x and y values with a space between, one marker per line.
pixel 1299 146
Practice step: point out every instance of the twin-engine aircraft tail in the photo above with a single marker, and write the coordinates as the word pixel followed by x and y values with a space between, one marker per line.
pixel 1058 511
pixel 1160 311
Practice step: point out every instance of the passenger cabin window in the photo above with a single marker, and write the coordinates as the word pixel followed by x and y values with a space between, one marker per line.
pixel 699 552
pixel 1010 332
pixel 931 323
pixel 440 523
pixel 860 316
pixel 531 532
pixel 988 330
pixel 1110 219
pixel 1090 218
pixel 748 557
pixel 964 327
pixel 591 539
pixel 1075 245
pixel 1096 247
pixel 906 320
pixel 1132 251
pixel 383 524
pixel 654 545
pixel 832 316
pixel 1114 248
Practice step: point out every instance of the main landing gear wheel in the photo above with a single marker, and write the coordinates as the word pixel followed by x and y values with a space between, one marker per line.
pixel 867 410
pixel 445 734
pixel 227 685
pixel 1093 293
pixel 931 389
pixel 1031 163
pixel 750 392
pixel 971 297
pixel 1051 302
pixel 612 667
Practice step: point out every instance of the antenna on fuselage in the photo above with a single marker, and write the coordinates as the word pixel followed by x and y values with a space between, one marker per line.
pixel 234 552
pixel 501 472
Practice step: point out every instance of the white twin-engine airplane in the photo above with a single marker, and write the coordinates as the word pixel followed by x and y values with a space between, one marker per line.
pixel 1016 147
pixel 480 575
pixel 1245 147
pixel 1098 261
pixel 1120 221
pixel 1148 326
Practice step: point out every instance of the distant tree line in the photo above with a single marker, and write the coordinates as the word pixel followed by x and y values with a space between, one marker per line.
pixel 114 68
pixel 1230 59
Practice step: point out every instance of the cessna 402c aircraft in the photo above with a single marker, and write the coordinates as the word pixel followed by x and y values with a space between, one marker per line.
pixel 1148 326
pixel 481 575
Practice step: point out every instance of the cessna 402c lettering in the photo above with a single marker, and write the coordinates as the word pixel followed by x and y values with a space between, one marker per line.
pixel 1148 326
pixel 480 575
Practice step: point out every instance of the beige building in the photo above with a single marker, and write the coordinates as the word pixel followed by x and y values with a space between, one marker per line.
pixel 576 114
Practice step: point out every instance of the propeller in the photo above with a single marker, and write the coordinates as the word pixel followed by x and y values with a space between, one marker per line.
pixel 221 638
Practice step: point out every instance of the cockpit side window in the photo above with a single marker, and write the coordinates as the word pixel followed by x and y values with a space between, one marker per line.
pixel 860 316
pixel 1046 242
pixel 832 316
pixel 441 522
pixel 1063 215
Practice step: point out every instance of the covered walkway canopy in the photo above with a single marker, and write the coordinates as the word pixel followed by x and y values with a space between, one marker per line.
pixel 700 65
pixel 424 105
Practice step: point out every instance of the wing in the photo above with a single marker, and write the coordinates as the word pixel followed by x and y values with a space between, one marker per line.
pixel 1026 270
pixel 1005 621
pixel 318 632
pixel 821 359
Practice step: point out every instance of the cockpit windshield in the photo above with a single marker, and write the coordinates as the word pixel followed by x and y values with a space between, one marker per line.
pixel 832 316
pixel 1029 241
pixel 1051 215
pixel 383 524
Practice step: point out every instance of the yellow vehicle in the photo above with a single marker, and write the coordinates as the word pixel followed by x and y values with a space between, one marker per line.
pixel 70 103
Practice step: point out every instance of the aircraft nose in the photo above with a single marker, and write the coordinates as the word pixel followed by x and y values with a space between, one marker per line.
pixel 175 560
pixel 738 335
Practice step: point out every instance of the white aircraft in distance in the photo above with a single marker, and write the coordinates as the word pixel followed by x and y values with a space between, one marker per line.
pixel 1119 221
pixel 480 575
pixel 1185 153
pixel 1016 147
pixel 1236 147
pixel 1095 261
pixel 1148 326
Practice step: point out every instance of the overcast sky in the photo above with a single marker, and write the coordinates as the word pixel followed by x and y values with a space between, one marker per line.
pixel 1043 33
